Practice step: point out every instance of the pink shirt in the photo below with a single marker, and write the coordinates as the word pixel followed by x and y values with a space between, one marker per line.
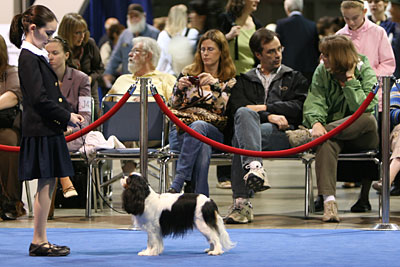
pixel 371 40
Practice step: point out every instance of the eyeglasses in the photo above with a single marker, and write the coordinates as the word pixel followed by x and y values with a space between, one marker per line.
pixel 138 51
pixel 209 49
pixel 272 52
pixel 374 1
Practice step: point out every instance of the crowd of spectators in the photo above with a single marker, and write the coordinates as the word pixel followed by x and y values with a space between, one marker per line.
pixel 257 82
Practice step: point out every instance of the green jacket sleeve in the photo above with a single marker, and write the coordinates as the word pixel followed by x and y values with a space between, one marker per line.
pixel 315 107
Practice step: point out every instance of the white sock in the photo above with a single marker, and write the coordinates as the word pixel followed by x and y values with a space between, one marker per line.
pixel 329 198
pixel 254 165
pixel 239 202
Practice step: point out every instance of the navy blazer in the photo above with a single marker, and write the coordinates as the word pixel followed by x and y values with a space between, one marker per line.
pixel 45 110
pixel 299 36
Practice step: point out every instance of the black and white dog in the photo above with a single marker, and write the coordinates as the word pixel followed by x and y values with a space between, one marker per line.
pixel 172 214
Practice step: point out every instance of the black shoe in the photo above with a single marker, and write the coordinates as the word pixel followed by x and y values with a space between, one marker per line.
pixel 361 207
pixel 8 216
pixel 395 191
pixel 189 187
pixel 319 204
pixel 47 249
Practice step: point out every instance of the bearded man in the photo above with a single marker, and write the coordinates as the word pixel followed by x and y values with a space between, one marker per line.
pixel 143 59
pixel 137 26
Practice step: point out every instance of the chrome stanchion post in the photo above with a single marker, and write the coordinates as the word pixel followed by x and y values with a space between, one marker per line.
pixel 143 138
pixel 385 225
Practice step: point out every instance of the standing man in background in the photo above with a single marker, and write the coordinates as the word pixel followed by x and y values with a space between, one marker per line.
pixel 299 37
pixel 137 26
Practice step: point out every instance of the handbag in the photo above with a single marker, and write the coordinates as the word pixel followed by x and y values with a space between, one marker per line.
pixel 192 114
pixel 7 116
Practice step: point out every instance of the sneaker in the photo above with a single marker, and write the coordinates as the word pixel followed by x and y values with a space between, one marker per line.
pixel 330 212
pixel 240 214
pixel 70 192
pixel 224 185
pixel 256 179
pixel 299 137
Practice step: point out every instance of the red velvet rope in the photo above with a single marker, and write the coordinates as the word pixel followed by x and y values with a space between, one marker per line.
pixel 88 128
pixel 263 154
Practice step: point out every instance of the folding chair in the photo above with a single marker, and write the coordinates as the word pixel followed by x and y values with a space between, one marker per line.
pixel 125 126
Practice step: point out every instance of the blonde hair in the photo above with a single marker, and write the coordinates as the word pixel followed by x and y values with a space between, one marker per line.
pixel 352 4
pixel 340 51
pixel 177 20
pixel 71 23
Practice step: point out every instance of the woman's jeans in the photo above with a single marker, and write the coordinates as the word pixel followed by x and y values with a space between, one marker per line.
pixel 194 158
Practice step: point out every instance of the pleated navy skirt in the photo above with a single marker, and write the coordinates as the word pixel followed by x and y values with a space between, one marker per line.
pixel 44 157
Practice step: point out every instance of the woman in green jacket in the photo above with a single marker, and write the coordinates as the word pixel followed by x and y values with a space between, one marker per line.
pixel 338 88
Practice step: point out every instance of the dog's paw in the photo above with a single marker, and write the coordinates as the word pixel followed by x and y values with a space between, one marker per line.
pixel 207 250
pixel 215 252
pixel 148 252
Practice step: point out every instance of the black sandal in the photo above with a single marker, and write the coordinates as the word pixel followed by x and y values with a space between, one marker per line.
pixel 48 249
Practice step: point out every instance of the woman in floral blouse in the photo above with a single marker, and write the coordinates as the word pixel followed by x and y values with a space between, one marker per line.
pixel 199 99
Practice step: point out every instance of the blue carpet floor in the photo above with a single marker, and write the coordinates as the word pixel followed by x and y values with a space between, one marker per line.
pixel 255 247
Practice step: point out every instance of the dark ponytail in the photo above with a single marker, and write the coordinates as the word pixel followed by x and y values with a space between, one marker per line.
pixel 16 30
pixel 36 14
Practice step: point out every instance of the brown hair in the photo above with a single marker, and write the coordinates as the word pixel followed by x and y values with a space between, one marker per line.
pixel 69 24
pixel 36 14
pixel 235 7
pixel 226 68
pixel 65 48
pixel 340 51
pixel 259 38
pixel 3 56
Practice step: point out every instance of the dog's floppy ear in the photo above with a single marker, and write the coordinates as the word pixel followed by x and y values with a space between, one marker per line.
pixel 134 196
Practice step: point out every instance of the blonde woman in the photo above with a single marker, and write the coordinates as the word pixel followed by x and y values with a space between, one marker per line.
pixel 368 38
pixel 179 53
pixel 85 53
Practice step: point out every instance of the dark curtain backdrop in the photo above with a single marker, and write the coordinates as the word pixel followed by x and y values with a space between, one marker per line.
pixel 98 11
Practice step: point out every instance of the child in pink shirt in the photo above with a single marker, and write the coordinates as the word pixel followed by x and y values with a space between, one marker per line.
pixel 369 39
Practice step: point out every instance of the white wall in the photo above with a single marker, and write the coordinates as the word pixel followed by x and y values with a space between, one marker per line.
pixel 7 12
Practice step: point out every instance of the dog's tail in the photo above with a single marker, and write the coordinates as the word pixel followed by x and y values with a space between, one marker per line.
pixel 226 242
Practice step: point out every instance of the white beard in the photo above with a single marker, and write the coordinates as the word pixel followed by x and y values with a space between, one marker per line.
pixel 134 67
pixel 136 27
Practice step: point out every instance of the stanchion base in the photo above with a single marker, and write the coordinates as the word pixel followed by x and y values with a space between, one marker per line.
pixel 386 227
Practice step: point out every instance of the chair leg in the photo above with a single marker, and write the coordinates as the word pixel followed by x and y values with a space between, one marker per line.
pixel 161 184
pixel 309 195
pixel 98 188
pixel 89 192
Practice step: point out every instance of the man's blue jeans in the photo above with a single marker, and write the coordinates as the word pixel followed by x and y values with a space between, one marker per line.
pixel 250 134
pixel 194 158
